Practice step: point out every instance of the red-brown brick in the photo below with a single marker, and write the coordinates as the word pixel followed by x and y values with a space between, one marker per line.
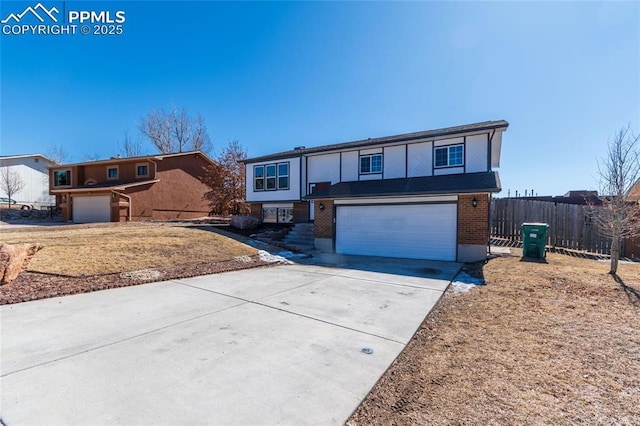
pixel 473 222
pixel 323 219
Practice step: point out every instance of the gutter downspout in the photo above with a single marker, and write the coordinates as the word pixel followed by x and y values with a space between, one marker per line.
pixel 155 169
pixel 491 193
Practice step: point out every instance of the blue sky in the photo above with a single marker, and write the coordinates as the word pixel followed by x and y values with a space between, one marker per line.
pixel 566 75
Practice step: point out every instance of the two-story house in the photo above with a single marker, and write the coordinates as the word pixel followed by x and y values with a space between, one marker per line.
pixel 421 195
pixel 154 187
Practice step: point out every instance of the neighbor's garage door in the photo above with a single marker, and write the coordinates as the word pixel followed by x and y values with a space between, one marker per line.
pixel 416 231
pixel 91 209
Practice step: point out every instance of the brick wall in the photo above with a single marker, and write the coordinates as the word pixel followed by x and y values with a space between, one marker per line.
pixel 323 219
pixel 256 211
pixel 301 212
pixel 473 223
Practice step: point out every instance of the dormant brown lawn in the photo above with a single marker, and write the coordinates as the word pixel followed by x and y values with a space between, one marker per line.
pixel 555 343
pixel 110 248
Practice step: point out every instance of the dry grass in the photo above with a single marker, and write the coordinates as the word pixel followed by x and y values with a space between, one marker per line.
pixel 105 249
pixel 555 343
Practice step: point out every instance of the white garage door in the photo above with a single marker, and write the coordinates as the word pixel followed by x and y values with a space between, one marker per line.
pixel 415 231
pixel 91 209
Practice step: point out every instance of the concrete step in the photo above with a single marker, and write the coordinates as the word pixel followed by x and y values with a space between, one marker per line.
pixel 298 242
pixel 299 235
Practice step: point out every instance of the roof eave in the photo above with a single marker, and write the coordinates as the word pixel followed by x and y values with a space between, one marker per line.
pixel 428 134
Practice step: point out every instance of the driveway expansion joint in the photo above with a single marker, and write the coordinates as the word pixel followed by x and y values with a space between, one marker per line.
pixel 254 302
pixel 126 339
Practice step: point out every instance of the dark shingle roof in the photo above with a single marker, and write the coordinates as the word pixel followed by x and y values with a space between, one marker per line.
pixel 429 185
pixel 485 125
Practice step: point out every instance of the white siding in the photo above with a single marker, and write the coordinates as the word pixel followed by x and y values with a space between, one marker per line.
pixel 350 166
pixel 448 171
pixel 324 168
pixel 476 154
pixel 376 176
pixel 452 141
pixel 394 161
pixel 420 159
pixel 496 145
pixel 293 193
pixel 34 172
pixel 304 189
pixel 371 151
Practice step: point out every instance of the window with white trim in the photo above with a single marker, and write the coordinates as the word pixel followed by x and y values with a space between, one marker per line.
pixel 271 177
pixel 62 178
pixel 277 214
pixel 142 170
pixel 449 156
pixel 112 172
pixel 370 164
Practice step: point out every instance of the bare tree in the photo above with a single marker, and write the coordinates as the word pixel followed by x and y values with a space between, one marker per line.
pixel 619 172
pixel 175 131
pixel 227 195
pixel 130 148
pixel 10 182
pixel 58 154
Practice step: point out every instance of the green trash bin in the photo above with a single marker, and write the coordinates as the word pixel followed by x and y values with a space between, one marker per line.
pixel 534 239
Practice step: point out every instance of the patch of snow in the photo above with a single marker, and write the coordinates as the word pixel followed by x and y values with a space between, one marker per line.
pixel 143 274
pixel 265 256
pixel 243 259
pixel 292 255
pixel 622 262
pixel 464 282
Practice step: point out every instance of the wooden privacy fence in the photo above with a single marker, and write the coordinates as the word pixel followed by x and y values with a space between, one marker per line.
pixel 570 225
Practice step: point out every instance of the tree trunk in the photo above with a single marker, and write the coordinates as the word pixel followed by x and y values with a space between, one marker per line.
pixel 615 254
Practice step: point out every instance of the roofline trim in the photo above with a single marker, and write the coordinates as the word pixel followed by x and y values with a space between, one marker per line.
pixel 158 157
pixel 428 134
pixel 104 188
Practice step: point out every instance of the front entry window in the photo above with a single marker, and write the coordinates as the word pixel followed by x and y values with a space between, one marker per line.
pixel 277 215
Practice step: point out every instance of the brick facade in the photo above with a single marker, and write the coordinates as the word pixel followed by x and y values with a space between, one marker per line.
pixel 256 210
pixel 323 219
pixel 473 222
pixel 301 212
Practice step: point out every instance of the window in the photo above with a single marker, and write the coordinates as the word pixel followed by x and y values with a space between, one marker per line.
pixel 62 178
pixel 449 156
pixel 142 170
pixel 271 177
pixel 112 172
pixel 277 214
pixel 258 177
pixel 370 164
pixel 283 176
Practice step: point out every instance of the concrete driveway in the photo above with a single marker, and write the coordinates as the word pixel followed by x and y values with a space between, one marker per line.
pixel 270 345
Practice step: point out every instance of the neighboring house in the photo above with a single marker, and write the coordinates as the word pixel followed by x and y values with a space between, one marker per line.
pixel 158 187
pixel 33 170
pixel 420 195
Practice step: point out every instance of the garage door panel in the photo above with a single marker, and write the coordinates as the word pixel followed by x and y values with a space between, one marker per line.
pixel 91 209
pixel 419 231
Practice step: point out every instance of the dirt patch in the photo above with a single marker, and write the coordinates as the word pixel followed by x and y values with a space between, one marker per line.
pixel 554 343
